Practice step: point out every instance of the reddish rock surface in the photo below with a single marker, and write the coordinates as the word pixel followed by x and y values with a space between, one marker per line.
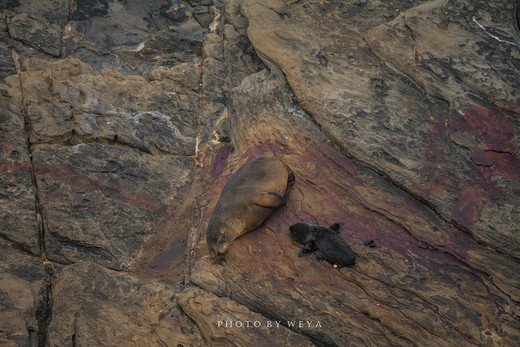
pixel 120 123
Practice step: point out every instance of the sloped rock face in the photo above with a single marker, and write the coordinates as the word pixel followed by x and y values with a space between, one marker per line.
pixel 454 110
pixel 120 123
pixel 135 312
pixel 91 155
pixel 25 297
pixel 425 281
pixel 235 324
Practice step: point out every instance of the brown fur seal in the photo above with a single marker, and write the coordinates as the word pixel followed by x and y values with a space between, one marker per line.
pixel 248 198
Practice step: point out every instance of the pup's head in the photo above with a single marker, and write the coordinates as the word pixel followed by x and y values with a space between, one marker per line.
pixel 303 232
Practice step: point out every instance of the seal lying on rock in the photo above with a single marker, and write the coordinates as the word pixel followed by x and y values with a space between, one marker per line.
pixel 326 241
pixel 248 198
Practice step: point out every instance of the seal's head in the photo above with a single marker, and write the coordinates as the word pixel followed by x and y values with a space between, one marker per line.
pixel 302 232
pixel 216 238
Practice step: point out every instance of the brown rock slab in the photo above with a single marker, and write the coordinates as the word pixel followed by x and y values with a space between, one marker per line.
pixel 439 54
pixel 70 101
pixel 133 37
pixel 438 51
pixel 102 202
pixel 95 306
pixel 23 289
pixel 337 69
pixel 224 322
pixel 18 222
pixel 101 143
pixel 398 118
pixel 424 282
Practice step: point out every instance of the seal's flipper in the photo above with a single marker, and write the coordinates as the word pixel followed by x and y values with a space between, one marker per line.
pixel 284 198
pixel 270 200
pixel 308 249
pixel 290 182
pixel 336 227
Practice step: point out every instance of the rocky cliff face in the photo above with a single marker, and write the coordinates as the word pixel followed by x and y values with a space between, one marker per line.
pixel 122 120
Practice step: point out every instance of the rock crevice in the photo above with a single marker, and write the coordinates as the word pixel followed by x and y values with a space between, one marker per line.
pixel 26 126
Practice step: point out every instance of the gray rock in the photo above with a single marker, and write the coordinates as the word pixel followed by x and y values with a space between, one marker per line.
pixel 203 15
pixel 36 31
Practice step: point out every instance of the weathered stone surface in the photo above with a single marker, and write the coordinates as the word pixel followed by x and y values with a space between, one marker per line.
pixel 56 11
pixel 106 308
pixel 23 290
pixel 425 281
pixel 203 15
pixel 69 98
pixel 102 202
pixel 18 221
pixel 101 144
pixel 133 37
pixel 445 65
pixel 7 67
pixel 37 32
pixel 369 109
pixel 121 122
pixel 223 322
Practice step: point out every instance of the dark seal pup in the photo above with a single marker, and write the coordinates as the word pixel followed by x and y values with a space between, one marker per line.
pixel 326 241
pixel 248 198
